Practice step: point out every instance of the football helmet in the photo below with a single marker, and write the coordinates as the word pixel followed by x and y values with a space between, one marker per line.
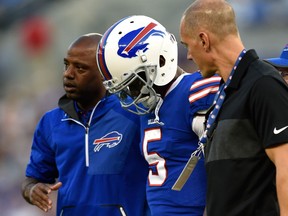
pixel 133 55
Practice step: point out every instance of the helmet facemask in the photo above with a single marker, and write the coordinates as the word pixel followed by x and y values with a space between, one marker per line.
pixel 135 92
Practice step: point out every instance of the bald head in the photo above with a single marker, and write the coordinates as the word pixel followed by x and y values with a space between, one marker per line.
pixel 215 16
pixel 88 41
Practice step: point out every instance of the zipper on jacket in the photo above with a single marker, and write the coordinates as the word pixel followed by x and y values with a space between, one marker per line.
pixel 87 145
pixel 86 138
pixel 86 133
pixel 122 211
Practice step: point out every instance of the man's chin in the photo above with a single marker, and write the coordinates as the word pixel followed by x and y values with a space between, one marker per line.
pixel 72 95
pixel 207 74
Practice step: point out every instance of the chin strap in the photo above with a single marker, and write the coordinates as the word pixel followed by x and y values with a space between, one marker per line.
pixel 157 108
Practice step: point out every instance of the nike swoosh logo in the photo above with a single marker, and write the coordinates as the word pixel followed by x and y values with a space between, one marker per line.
pixel 275 131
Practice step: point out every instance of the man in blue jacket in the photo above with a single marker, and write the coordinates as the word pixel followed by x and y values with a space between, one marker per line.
pixel 88 147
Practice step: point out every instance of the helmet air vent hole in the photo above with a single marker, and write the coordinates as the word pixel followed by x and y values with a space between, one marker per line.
pixel 162 61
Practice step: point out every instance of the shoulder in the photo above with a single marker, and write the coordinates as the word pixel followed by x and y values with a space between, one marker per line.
pixel 51 118
pixel 261 74
pixel 119 111
pixel 194 82
pixel 261 68
pixel 54 113
pixel 270 86
pixel 201 87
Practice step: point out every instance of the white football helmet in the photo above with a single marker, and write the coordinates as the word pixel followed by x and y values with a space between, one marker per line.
pixel 133 55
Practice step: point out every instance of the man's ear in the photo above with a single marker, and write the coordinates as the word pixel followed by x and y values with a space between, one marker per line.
pixel 205 42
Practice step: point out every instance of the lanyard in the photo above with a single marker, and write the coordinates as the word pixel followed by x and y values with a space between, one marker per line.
pixel 218 102
pixel 196 155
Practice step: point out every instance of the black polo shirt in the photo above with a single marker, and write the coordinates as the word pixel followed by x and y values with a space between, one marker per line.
pixel 254 116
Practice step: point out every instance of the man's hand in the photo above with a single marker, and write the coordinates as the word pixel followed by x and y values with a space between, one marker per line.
pixel 37 193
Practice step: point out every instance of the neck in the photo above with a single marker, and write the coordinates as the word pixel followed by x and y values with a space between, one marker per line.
pixel 86 106
pixel 230 67
pixel 89 103
pixel 226 55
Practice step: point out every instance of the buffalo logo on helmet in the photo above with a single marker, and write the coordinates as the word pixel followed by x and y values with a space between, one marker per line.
pixel 135 40
pixel 109 140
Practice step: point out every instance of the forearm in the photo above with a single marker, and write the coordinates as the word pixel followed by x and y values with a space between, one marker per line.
pixel 279 156
pixel 282 191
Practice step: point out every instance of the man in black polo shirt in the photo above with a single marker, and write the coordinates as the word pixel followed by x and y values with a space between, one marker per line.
pixel 246 135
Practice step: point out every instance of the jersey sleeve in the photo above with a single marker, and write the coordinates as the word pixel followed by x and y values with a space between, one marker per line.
pixel 42 164
pixel 202 93
pixel 268 107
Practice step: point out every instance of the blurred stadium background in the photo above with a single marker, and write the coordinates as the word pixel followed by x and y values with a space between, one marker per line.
pixel 34 36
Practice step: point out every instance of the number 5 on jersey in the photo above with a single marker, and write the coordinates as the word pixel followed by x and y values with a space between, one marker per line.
pixel 157 169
